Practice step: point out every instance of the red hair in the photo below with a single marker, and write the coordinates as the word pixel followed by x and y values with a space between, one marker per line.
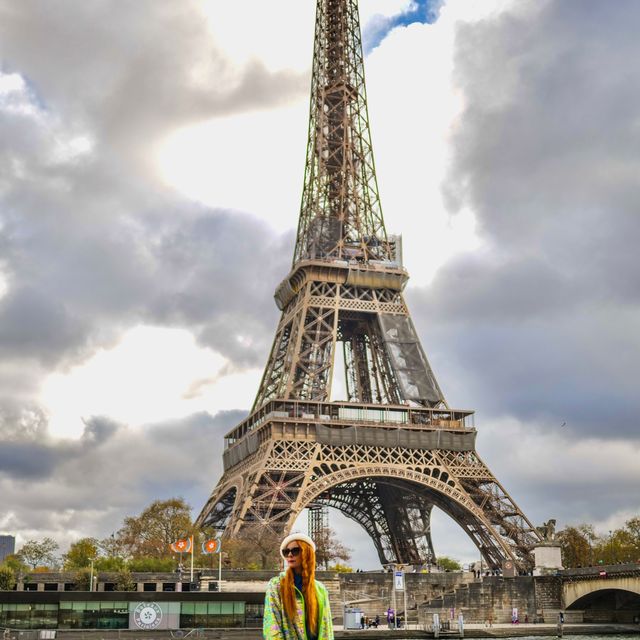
pixel 287 588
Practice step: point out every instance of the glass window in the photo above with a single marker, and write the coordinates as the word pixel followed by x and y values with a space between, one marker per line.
pixel 187 615
pixel 253 615
pixel 227 607
pixel 44 616
pixel 113 615
pixel 214 608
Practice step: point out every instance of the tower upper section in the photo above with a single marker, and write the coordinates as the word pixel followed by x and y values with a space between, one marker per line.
pixel 340 216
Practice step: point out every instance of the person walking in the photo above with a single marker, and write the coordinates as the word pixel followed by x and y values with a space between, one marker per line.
pixel 296 605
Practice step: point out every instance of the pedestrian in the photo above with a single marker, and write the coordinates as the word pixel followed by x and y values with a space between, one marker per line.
pixel 296 605
pixel 362 621
pixel 377 622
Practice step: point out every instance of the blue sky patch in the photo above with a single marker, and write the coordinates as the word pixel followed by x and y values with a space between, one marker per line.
pixel 377 29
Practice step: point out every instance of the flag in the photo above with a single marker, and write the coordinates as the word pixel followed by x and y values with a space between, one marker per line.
pixel 211 546
pixel 184 545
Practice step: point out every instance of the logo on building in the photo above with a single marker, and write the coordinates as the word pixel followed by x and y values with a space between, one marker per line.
pixel 147 615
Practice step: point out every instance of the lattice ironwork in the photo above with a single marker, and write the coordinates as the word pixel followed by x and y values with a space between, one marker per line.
pixel 395 449
pixel 341 216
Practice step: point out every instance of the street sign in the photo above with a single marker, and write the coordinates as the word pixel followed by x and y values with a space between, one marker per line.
pixel 399 580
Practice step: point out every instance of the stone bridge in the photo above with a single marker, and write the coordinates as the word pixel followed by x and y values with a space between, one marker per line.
pixel 603 594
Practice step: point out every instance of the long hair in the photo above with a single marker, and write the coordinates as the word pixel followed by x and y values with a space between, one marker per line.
pixel 288 593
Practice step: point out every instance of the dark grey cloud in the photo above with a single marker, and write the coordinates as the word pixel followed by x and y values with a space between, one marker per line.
pixel 541 323
pixel 112 471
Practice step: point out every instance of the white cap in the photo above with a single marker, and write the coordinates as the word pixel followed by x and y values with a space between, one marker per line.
pixel 297 536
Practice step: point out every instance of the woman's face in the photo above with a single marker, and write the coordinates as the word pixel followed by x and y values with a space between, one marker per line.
pixel 293 556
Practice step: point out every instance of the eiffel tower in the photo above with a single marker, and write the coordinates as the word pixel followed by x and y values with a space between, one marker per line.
pixel 394 449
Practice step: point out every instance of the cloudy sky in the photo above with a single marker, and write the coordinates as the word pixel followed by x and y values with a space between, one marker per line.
pixel 151 163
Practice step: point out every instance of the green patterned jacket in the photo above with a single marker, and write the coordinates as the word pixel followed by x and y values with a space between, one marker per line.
pixel 276 625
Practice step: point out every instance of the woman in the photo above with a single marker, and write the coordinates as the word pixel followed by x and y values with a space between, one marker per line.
pixel 296 605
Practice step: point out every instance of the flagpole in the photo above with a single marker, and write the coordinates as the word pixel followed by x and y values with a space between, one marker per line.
pixel 219 569
pixel 191 580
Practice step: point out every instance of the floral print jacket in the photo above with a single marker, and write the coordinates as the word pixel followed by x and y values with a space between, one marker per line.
pixel 276 625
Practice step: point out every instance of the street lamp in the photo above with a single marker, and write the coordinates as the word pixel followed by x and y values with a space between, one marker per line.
pixel 611 546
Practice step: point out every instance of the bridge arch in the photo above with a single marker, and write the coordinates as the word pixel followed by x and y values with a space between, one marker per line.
pixel 577 594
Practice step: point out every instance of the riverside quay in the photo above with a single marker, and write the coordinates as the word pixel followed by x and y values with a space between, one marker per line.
pixel 590 595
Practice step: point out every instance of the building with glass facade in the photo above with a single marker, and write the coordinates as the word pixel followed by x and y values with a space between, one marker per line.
pixel 129 610
pixel 7 546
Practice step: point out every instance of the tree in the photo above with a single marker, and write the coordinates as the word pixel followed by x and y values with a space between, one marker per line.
pixel 160 524
pixel 36 553
pixel 253 548
pixel 112 547
pixel 110 564
pixel 13 561
pixel 633 528
pixel 448 564
pixel 7 578
pixel 151 564
pixel 82 580
pixel 577 545
pixel 80 554
pixel 340 568
pixel 125 581
pixel 329 549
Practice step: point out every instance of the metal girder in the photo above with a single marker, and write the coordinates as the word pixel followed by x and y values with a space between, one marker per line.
pixel 390 491
pixel 340 216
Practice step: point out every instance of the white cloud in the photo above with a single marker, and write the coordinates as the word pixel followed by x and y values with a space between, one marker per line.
pixel 279 34
pixel 249 162
pixel 153 374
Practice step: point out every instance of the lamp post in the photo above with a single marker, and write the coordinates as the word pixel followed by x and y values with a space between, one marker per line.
pixel 611 547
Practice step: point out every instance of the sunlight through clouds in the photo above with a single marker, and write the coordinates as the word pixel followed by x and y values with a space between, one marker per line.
pixel 148 377
pixel 251 162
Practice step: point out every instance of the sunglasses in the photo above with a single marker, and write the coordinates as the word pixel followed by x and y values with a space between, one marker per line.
pixel 294 551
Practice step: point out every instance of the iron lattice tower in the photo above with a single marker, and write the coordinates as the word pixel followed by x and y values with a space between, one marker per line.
pixel 394 449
